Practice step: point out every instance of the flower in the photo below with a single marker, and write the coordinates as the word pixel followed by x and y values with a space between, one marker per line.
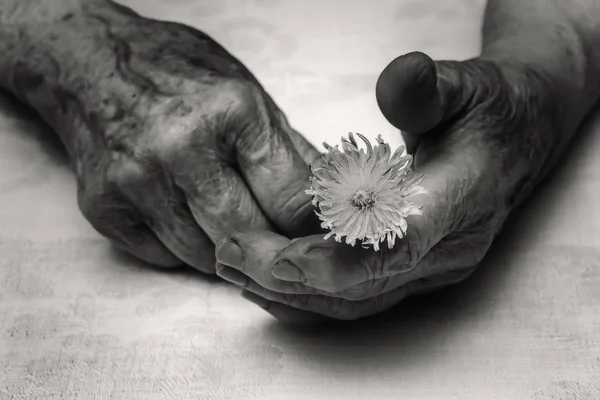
pixel 365 196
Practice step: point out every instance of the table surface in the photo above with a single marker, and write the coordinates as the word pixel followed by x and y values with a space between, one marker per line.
pixel 81 321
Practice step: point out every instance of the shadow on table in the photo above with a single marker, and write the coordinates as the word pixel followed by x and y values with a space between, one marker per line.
pixel 419 326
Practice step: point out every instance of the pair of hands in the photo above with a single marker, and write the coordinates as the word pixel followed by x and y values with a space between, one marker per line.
pixel 177 148
pixel 239 182
pixel 475 129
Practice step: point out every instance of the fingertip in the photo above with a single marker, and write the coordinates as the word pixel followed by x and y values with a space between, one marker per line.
pixel 408 95
pixel 286 271
pixel 297 260
pixel 232 275
pixel 322 264
pixel 228 252
pixel 301 247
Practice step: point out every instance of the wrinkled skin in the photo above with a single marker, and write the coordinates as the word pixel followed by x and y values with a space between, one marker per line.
pixel 175 145
pixel 496 133
pixel 174 142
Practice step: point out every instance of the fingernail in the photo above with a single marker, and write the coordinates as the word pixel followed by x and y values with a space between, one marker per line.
pixel 287 271
pixel 233 276
pixel 256 299
pixel 229 253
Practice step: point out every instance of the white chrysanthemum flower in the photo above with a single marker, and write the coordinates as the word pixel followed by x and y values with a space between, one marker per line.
pixel 364 195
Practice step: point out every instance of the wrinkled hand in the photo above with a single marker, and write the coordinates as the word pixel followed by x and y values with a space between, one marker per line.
pixel 483 134
pixel 174 142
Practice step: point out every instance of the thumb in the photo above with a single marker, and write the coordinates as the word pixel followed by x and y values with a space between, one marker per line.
pixel 415 94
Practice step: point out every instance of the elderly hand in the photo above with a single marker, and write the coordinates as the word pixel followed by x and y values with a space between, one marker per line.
pixel 174 142
pixel 483 133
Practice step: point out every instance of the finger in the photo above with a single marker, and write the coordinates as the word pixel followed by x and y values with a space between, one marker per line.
pixel 334 307
pixel 284 313
pixel 113 216
pixel 255 292
pixel 307 308
pixel 140 241
pixel 248 255
pixel 276 172
pixel 309 153
pixel 455 189
pixel 165 211
pixel 415 94
pixel 135 237
pixel 176 228
pixel 248 274
pixel 217 196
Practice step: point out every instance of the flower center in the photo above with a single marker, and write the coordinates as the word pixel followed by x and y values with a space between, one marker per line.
pixel 363 199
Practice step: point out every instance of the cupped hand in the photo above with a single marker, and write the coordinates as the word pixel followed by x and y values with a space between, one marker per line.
pixel 174 142
pixel 482 132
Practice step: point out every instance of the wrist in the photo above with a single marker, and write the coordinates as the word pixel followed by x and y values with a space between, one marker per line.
pixel 561 60
pixel 47 50
pixel 558 94
pixel 537 125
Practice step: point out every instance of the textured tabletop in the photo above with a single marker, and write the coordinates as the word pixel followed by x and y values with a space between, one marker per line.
pixel 81 321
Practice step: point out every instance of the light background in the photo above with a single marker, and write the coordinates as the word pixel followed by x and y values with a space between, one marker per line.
pixel 79 321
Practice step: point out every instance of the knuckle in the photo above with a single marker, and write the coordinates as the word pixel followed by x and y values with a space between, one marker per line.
pixel 126 173
pixel 236 100
pixel 224 117
pixel 110 216
pixel 247 112
pixel 237 94
pixel 177 138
